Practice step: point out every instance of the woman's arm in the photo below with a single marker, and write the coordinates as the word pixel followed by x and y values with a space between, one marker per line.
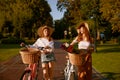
pixel 36 43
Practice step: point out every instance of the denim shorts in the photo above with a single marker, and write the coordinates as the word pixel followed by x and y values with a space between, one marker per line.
pixel 47 57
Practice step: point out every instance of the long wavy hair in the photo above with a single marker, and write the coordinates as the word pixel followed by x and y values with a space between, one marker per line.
pixel 87 33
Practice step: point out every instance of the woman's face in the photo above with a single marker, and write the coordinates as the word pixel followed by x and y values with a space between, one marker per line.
pixel 81 30
pixel 46 32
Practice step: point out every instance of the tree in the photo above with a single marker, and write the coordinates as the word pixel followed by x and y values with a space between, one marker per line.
pixel 59 26
pixel 80 10
pixel 25 15
pixel 4 10
pixel 20 14
pixel 111 12
pixel 76 10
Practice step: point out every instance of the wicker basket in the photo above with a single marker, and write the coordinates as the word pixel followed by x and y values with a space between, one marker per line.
pixel 29 55
pixel 75 59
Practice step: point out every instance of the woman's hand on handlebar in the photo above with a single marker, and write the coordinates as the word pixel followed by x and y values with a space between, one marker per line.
pixel 45 50
pixel 22 44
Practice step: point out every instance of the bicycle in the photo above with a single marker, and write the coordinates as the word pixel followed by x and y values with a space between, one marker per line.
pixel 76 57
pixel 28 73
pixel 31 58
pixel 70 70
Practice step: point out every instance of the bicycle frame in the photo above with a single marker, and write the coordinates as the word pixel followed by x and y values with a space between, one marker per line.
pixel 70 71
pixel 31 69
pixel 31 72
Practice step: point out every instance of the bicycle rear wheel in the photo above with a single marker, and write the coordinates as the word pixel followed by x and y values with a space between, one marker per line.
pixel 26 75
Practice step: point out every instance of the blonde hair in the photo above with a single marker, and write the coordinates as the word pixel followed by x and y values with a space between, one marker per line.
pixel 40 31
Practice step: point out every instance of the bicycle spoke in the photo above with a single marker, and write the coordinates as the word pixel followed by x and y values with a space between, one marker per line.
pixel 26 75
pixel 70 72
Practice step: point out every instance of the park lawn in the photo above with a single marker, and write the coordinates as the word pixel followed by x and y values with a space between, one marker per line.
pixel 8 51
pixel 107 61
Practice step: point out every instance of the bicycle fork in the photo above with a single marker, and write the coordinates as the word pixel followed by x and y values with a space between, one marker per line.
pixel 70 72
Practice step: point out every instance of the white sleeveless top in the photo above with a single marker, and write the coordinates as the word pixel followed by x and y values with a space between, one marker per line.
pixel 83 45
pixel 43 42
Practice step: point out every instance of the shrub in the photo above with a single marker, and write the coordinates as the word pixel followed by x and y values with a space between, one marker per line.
pixel 1 36
pixel 11 40
pixel 119 40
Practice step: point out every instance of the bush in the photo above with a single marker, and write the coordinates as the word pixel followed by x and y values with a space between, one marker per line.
pixel 119 40
pixel 11 40
pixel 1 36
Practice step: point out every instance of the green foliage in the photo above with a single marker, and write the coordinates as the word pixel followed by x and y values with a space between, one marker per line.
pixel 111 12
pixel 106 14
pixel 25 15
pixel 76 10
pixel 119 40
pixel 60 27
pixel 1 20
pixel 1 36
pixel 11 40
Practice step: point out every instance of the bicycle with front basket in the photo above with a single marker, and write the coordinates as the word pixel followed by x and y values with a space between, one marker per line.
pixel 70 70
pixel 31 58
pixel 76 57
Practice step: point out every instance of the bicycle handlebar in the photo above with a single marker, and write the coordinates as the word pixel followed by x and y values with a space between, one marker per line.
pixel 31 46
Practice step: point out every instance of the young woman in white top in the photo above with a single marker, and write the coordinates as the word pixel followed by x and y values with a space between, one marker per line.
pixel 84 41
pixel 47 56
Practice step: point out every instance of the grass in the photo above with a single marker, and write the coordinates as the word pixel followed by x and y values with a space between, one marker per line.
pixel 8 50
pixel 107 61
pixel 65 40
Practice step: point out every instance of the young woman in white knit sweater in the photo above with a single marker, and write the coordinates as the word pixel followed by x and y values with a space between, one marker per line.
pixel 47 57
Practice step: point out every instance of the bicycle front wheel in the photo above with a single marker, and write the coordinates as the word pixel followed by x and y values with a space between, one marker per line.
pixel 26 75
pixel 72 76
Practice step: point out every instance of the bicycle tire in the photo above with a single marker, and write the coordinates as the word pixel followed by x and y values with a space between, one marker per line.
pixel 65 73
pixel 36 76
pixel 72 76
pixel 36 72
pixel 26 75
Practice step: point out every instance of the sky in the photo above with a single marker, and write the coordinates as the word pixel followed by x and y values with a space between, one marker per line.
pixel 55 13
